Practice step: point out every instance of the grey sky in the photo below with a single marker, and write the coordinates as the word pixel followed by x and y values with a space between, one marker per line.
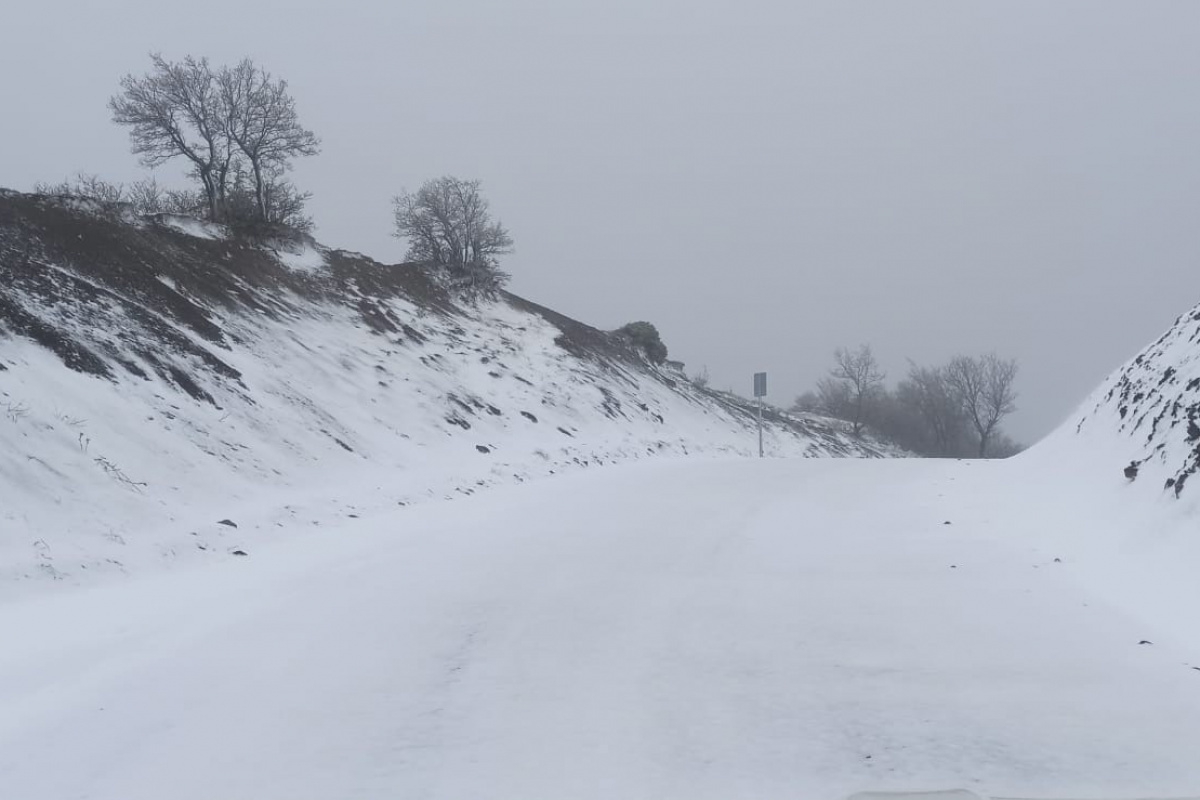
pixel 762 180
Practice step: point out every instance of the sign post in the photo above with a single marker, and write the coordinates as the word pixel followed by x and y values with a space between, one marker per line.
pixel 760 391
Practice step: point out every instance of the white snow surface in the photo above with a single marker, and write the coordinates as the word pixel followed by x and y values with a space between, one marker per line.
pixel 101 476
pixel 191 226
pixel 303 256
pixel 783 628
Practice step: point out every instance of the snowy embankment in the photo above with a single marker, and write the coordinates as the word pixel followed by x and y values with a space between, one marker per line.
pixel 214 380
pixel 1138 534
pixel 681 629
pixel 1152 403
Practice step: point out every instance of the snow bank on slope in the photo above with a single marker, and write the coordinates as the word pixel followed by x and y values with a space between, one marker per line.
pixel 303 257
pixel 91 468
pixel 191 226
pixel 213 382
pixel 1145 414
pixel 1132 540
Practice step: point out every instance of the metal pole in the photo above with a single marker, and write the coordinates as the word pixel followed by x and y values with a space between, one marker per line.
pixel 760 449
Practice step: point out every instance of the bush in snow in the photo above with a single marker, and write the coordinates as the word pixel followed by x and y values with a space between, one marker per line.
pixel 644 336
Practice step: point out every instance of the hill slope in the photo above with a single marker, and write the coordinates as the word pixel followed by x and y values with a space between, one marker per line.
pixel 1132 540
pixel 1136 438
pixel 1153 402
pixel 158 376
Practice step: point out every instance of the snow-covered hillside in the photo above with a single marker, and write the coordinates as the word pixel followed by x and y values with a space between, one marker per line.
pixel 159 377
pixel 1153 404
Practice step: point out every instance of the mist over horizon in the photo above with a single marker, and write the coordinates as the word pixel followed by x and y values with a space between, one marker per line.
pixel 764 182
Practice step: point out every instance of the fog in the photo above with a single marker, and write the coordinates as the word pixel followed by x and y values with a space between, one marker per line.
pixel 764 181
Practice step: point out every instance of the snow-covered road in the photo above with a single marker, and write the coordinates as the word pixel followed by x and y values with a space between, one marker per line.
pixel 737 629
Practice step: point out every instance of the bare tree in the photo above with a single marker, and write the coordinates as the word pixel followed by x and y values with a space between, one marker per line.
pixel 187 202
pixel 87 186
pixel 146 197
pixel 448 225
pixel 284 204
pixel 97 188
pixel 859 373
pixel 984 388
pixel 949 411
pixel 177 111
pixel 261 120
pixel 281 202
pixel 928 392
pixel 833 399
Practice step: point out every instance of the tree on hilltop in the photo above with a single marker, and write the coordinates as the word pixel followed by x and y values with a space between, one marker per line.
pixel 449 227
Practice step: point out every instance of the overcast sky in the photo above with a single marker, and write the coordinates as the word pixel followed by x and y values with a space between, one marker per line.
pixel 763 180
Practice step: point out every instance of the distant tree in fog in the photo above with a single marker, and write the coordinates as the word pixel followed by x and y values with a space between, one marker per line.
pixel 927 391
pixel 954 410
pixel 833 399
pixel 1003 446
pixel 859 373
pixel 984 388
pixel 808 402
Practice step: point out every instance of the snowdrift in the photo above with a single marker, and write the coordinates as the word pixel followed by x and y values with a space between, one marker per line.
pixel 167 388
pixel 1127 534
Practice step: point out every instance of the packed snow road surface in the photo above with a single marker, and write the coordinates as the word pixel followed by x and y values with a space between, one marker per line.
pixel 740 629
